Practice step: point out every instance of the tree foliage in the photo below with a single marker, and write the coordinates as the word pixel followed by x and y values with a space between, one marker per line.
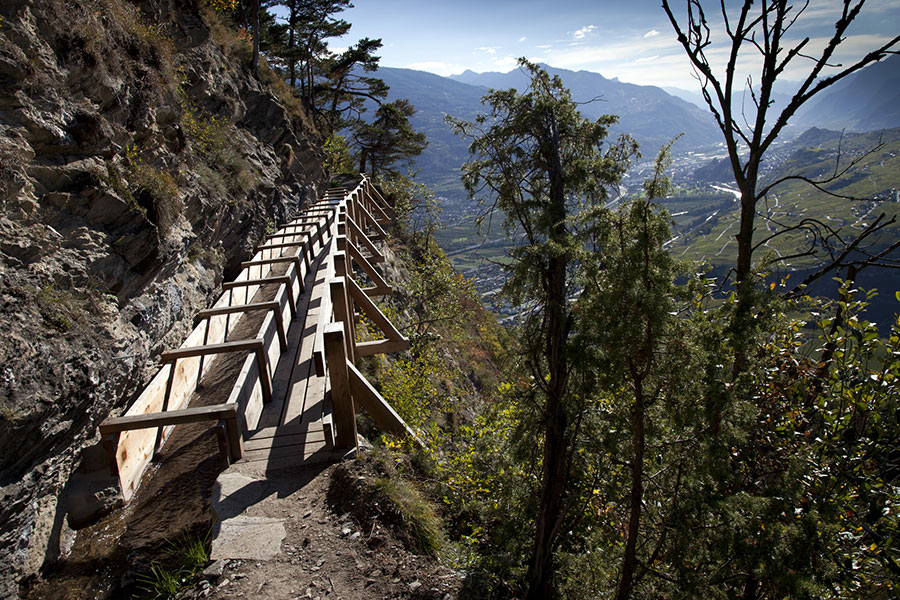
pixel 539 162
pixel 680 475
pixel 388 139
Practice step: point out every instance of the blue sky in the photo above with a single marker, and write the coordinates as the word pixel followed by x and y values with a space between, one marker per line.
pixel 630 39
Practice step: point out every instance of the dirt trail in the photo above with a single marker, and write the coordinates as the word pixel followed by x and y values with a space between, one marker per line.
pixel 327 552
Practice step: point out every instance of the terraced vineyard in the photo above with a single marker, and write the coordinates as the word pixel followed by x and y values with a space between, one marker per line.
pixel 704 214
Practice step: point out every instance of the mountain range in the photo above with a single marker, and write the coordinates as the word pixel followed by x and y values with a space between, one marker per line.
pixel 867 100
pixel 864 101
pixel 652 116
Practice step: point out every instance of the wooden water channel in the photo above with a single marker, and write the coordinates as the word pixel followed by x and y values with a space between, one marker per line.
pixel 294 399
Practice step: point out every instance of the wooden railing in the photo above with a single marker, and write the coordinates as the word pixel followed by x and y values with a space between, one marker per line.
pixel 343 229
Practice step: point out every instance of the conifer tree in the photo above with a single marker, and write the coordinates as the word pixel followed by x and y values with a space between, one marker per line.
pixel 389 139
pixel 539 162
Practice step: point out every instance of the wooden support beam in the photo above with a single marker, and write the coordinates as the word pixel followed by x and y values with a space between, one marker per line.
pixel 381 287
pixel 170 417
pixel 256 345
pixel 370 220
pixel 377 407
pixel 280 279
pixel 381 347
pixel 274 306
pixel 383 204
pixel 342 311
pixel 113 426
pixel 326 313
pixel 341 398
pixel 374 313
pixel 379 213
pixel 357 235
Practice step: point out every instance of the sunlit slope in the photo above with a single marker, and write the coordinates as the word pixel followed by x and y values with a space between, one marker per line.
pixel 870 163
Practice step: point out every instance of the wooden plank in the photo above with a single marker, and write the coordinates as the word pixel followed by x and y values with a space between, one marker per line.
pixel 306 233
pixel 170 417
pixel 265 433
pixel 279 441
pixel 240 308
pixel 255 345
pixel 235 346
pixel 344 414
pixel 294 258
pixel 289 457
pixel 326 314
pixel 303 245
pixel 300 396
pixel 284 280
pixel 318 225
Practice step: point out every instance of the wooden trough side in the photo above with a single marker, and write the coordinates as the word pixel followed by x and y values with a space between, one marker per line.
pixel 132 449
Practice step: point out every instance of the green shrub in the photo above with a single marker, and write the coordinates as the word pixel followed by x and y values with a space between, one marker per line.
pixel 183 558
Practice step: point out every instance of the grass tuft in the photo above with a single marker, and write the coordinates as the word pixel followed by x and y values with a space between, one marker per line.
pixel 183 559
pixel 419 518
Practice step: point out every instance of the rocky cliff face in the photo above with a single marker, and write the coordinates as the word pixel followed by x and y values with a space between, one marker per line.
pixel 139 163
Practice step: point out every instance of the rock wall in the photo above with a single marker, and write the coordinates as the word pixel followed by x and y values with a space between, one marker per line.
pixel 140 162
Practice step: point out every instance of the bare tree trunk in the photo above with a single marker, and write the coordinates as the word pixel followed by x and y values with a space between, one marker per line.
pixel 292 58
pixel 254 66
pixel 555 476
pixel 637 487
pixel 553 486
pixel 363 157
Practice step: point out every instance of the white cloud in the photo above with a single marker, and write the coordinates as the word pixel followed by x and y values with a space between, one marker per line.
pixel 507 63
pixel 584 31
pixel 437 67
pixel 488 49
pixel 523 38
pixel 646 59
pixel 651 33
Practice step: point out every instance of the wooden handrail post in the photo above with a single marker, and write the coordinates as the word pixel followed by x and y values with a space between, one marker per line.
pixel 342 247
pixel 233 431
pixel 340 299
pixel 339 375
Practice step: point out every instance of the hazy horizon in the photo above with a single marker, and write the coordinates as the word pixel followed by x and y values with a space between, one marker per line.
pixel 632 42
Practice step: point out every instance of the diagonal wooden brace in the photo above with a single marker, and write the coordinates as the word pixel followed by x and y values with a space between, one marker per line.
pixel 360 238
